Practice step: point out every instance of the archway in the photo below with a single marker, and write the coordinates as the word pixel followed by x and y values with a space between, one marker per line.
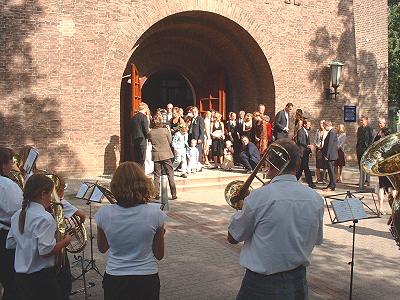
pixel 165 87
pixel 219 58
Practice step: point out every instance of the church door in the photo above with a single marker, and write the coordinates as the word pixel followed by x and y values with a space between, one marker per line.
pixel 213 94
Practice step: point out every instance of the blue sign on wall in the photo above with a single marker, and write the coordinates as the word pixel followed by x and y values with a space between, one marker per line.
pixel 350 113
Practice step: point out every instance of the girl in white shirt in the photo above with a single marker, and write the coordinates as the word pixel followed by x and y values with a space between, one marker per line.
pixel 132 231
pixel 10 202
pixel 32 234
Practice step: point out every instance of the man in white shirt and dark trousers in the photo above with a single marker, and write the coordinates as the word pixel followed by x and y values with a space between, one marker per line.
pixel 280 224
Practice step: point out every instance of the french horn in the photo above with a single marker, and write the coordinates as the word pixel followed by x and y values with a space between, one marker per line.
pixel 236 191
pixel 382 158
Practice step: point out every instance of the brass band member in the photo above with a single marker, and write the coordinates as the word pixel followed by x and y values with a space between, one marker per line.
pixel 280 224
pixel 32 234
pixel 10 202
pixel 133 232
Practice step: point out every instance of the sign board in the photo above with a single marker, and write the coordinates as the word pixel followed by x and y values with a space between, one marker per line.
pixel 350 113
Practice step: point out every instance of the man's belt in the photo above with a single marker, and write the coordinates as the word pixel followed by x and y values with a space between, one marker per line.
pixel 279 273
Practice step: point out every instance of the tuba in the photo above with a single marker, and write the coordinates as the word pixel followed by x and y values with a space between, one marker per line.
pixel 382 158
pixel 16 174
pixel 275 157
pixel 73 226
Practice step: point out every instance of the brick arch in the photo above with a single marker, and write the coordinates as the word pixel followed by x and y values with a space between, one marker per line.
pixel 144 17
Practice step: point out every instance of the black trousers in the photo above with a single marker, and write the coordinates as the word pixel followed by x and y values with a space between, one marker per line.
pixel 40 285
pixel 331 173
pixel 304 166
pixel 7 272
pixel 131 287
pixel 139 152
pixel 64 279
pixel 166 165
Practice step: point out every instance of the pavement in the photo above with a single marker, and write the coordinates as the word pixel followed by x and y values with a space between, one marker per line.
pixel 200 264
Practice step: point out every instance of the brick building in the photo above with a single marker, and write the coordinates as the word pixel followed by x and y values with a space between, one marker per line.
pixel 65 66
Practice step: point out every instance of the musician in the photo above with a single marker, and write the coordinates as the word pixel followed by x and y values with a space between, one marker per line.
pixel 10 202
pixel 280 224
pixel 64 277
pixel 133 232
pixel 32 234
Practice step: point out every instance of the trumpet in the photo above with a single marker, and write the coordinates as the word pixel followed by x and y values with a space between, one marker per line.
pixel 236 191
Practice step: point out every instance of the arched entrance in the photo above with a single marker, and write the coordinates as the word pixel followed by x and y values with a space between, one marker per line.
pixel 165 87
pixel 225 66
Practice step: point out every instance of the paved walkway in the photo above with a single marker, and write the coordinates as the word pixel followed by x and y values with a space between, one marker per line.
pixel 200 264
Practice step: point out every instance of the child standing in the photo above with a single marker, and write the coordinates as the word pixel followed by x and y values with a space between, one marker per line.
pixel 227 163
pixel 193 154
pixel 32 234
pixel 180 144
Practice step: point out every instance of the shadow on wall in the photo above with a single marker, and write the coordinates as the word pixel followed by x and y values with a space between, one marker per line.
pixel 111 155
pixel 28 118
pixel 37 122
pixel 365 82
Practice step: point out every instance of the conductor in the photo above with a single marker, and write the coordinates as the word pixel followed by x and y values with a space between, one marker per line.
pixel 280 224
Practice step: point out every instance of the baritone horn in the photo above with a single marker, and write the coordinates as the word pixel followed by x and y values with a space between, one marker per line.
pixel 382 158
pixel 275 157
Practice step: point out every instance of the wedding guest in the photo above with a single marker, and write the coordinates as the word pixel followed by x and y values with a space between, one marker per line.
pixel 248 128
pixel 217 135
pixel 207 137
pixel 341 161
pixel 180 145
pixel 260 132
pixel 227 163
pixel 175 121
pixel 193 157
pixel 321 164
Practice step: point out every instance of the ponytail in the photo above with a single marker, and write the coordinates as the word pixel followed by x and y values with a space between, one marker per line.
pixel 34 187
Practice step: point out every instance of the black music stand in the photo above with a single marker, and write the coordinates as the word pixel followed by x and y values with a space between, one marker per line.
pixel 90 192
pixel 346 210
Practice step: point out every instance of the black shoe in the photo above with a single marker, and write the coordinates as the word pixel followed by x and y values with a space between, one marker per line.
pixel 173 198
pixel 184 175
pixel 313 186
pixel 157 197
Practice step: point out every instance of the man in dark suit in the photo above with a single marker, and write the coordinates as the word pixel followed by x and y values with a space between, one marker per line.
pixel 330 153
pixel 365 138
pixel 303 142
pixel 250 155
pixel 139 128
pixel 281 123
pixel 196 130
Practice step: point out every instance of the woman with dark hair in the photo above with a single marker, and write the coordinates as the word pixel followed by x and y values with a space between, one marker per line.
pixel 10 202
pixel 32 234
pixel 133 232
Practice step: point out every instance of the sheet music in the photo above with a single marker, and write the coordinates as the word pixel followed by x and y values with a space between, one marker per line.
pixel 30 160
pixel 82 190
pixel 357 208
pixel 342 210
pixel 349 209
pixel 97 195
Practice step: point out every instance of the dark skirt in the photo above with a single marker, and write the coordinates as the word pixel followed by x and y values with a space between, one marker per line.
pixel 385 183
pixel 340 162
pixel 131 287
pixel 217 147
pixel 321 163
pixel 7 273
pixel 41 285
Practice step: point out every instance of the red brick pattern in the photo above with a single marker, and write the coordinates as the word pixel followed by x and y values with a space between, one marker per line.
pixel 62 63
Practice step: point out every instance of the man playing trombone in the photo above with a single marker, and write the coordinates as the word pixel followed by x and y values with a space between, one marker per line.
pixel 280 224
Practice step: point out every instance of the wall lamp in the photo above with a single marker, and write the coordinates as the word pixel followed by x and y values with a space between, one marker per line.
pixel 336 72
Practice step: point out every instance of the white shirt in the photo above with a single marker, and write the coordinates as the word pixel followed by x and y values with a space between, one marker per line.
pixel 287 119
pixel 130 232
pixel 10 200
pixel 38 239
pixel 280 224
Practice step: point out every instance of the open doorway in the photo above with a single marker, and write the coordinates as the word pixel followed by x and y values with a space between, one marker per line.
pixel 166 87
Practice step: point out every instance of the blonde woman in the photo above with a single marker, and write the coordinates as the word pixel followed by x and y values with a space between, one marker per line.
pixel 341 161
pixel 217 135
pixel 321 164
pixel 132 231
pixel 207 137
pixel 248 128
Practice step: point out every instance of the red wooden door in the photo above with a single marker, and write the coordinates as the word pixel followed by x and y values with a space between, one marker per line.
pixel 136 90
pixel 213 95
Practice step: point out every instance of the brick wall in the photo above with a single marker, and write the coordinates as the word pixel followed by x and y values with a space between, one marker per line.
pixel 62 63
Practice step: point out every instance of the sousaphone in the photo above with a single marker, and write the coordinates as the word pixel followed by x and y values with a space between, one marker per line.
pixel 382 158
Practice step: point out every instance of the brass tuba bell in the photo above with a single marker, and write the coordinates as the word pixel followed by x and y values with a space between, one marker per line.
pixel 382 158
pixel 275 157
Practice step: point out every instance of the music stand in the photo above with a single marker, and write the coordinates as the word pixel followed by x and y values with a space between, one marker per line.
pixel 90 192
pixel 30 161
pixel 345 210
